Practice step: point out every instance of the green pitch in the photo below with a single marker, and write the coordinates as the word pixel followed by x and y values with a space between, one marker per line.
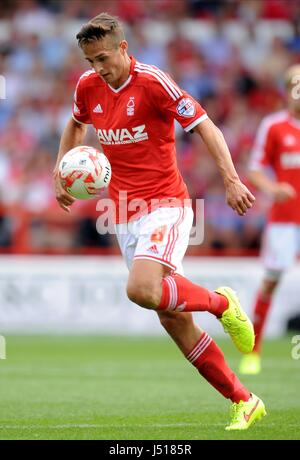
pixel 133 388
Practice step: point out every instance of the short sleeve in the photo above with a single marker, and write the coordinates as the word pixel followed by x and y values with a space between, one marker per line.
pixel 171 99
pixel 263 148
pixel 80 108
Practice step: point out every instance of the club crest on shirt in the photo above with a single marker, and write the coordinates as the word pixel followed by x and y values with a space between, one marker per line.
pixel 186 108
pixel 130 107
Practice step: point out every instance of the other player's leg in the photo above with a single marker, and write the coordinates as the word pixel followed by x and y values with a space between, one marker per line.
pixel 279 251
pixel 251 363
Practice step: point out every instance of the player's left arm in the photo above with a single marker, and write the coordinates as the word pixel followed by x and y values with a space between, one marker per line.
pixel 238 197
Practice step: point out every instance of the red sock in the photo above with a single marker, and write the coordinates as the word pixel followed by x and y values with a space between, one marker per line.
pixel 180 294
pixel 261 310
pixel 207 357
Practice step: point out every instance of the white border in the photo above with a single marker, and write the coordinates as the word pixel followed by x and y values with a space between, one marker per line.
pixel 80 122
pixel 196 122
pixel 121 87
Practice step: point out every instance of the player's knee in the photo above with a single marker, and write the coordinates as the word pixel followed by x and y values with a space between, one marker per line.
pixel 173 321
pixel 145 294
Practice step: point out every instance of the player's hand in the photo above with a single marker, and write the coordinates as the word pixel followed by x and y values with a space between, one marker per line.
pixel 64 199
pixel 283 192
pixel 238 197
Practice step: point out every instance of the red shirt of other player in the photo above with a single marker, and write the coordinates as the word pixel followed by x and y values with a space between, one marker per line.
pixel 277 146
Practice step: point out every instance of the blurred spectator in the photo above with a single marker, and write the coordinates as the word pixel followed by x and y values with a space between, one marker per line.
pixel 146 51
pixel 218 50
pixel 254 50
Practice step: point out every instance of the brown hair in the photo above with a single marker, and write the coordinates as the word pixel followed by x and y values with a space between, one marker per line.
pixel 99 27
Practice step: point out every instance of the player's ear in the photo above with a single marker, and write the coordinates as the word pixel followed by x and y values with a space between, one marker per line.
pixel 123 46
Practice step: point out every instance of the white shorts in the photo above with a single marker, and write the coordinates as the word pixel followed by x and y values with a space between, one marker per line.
pixel 281 246
pixel 161 236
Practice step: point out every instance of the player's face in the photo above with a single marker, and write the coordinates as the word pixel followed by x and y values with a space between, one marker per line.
pixel 108 60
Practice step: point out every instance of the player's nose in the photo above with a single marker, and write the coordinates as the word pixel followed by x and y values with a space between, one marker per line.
pixel 98 68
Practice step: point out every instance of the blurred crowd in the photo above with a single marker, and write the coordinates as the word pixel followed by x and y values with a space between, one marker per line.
pixel 230 55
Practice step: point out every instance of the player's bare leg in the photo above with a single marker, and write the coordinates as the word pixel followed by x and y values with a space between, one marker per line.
pixel 196 345
pixel 144 285
pixel 180 326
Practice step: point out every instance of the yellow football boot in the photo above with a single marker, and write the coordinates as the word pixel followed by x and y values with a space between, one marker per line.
pixel 236 323
pixel 250 364
pixel 245 413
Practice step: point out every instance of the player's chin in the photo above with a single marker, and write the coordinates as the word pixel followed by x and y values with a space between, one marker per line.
pixel 106 77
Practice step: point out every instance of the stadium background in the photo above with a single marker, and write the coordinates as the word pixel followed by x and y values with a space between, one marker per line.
pixel 58 275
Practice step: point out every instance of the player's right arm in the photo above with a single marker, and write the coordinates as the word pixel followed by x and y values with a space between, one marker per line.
pixel 73 135
pixel 238 197
pixel 279 191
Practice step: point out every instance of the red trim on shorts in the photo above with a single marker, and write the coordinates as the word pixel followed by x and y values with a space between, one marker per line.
pixel 165 262
pixel 167 254
pixel 176 229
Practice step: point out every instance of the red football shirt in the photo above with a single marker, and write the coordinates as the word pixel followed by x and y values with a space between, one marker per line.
pixel 277 145
pixel 135 127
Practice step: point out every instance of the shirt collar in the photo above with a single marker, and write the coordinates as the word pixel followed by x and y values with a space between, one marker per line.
pixel 133 62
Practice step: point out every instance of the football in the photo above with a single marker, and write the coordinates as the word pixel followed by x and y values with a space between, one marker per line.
pixel 84 172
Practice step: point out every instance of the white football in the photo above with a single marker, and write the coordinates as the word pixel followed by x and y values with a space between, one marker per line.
pixel 84 172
